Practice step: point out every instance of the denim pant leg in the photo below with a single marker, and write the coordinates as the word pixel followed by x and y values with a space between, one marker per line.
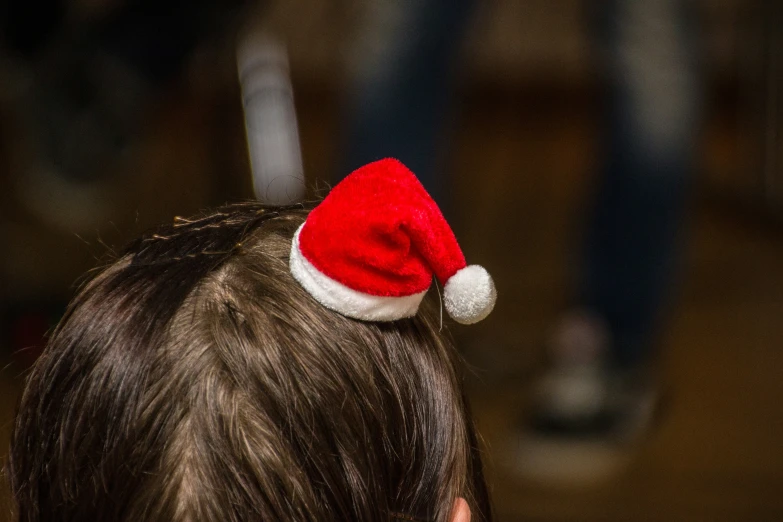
pixel 402 77
pixel 652 112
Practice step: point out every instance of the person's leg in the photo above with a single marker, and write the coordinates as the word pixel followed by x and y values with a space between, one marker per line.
pixel 596 393
pixel 402 74
pixel 652 109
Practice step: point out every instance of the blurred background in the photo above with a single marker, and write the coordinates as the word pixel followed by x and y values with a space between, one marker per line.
pixel 116 115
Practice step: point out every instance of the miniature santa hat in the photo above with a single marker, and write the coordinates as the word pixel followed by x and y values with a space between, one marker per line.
pixel 370 249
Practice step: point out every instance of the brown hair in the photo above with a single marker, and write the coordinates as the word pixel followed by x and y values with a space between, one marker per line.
pixel 194 379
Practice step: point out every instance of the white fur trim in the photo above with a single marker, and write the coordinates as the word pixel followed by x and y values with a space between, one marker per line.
pixel 347 301
pixel 470 295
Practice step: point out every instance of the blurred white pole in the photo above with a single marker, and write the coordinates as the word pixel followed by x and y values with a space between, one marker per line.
pixel 270 120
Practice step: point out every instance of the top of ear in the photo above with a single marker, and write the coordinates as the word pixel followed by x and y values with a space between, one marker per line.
pixel 461 511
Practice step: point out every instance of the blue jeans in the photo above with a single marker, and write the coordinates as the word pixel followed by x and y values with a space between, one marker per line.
pixel 398 106
pixel 649 59
pixel 403 72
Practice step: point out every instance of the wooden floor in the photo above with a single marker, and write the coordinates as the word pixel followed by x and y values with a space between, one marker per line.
pixel 521 177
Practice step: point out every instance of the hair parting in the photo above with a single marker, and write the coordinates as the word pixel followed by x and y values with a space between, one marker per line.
pixel 193 380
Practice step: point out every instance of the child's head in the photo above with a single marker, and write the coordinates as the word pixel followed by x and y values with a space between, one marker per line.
pixel 195 379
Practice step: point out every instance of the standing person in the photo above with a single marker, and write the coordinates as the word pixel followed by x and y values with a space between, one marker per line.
pixel 597 388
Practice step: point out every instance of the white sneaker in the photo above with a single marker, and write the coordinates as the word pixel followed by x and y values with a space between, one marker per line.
pixel 583 414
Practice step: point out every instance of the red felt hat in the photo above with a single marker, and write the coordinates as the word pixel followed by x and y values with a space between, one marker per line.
pixel 370 249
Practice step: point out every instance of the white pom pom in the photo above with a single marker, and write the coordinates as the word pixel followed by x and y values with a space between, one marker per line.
pixel 470 295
